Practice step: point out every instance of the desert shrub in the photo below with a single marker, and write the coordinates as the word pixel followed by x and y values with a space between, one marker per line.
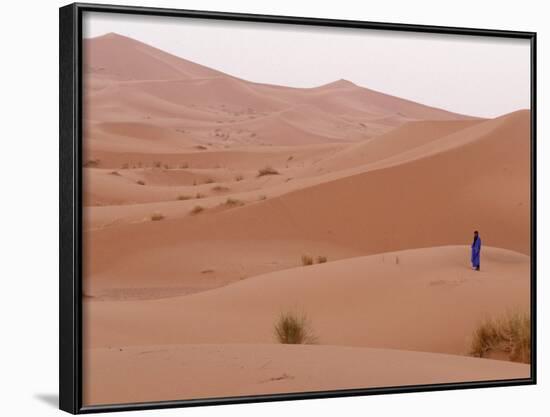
pixel 201 147
pixel 209 181
pixel 262 197
pixel 125 165
pixel 510 334
pixel 307 260
pixel 157 216
pixel 197 209
pixel 292 328
pixel 220 188
pixel 91 163
pixel 183 197
pixel 157 164
pixel 267 171
pixel 321 259
pixel 199 195
pixel 184 165
pixel 239 178
pixel 140 182
pixel 233 202
pixel 115 173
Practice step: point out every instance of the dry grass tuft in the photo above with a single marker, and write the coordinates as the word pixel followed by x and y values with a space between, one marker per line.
pixel 184 165
pixel 209 181
pixel 157 216
pixel 220 188
pixel 510 335
pixel 295 329
pixel 267 171
pixel 201 147
pixel 183 197
pixel 239 178
pixel 115 173
pixel 199 195
pixel 197 210
pixel 262 197
pixel 321 259
pixel 233 202
pixel 307 260
pixel 157 164
pixel 140 182
pixel 91 163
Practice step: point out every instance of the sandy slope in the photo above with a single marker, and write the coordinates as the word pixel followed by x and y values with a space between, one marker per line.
pixel 119 57
pixel 302 165
pixel 422 299
pixel 388 189
pixel 203 371
pixel 129 82
pixel 433 197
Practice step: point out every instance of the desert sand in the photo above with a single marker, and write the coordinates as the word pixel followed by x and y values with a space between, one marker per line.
pixel 193 247
pixel 193 371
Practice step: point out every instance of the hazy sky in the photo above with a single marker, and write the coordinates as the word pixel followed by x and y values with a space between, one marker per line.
pixel 479 76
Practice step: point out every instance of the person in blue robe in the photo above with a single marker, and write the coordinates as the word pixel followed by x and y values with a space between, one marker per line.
pixel 476 251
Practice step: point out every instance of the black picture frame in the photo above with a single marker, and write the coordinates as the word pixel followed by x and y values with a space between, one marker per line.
pixel 70 204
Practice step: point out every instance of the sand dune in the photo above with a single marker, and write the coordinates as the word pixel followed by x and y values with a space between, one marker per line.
pixel 209 371
pixel 387 189
pixel 395 142
pixel 123 58
pixel 422 209
pixel 351 302
pixel 149 83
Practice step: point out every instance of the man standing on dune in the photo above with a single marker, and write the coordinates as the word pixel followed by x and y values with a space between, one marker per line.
pixel 476 251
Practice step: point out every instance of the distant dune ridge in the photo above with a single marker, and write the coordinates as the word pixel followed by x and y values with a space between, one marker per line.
pixel 192 250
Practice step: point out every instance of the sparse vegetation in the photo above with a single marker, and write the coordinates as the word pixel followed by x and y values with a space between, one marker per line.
pixel 140 182
pixel 307 260
pixel 157 164
pixel 184 165
pixel 220 188
pixel 115 173
pixel 321 259
pixel 510 335
pixel 209 181
pixel 239 178
pixel 183 197
pixel 292 328
pixel 199 195
pixel 91 163
pixel 125 165
pixel 262 197
pixel 201 147
pixel 233 202
pixel 197 209
pixel 267 171
pixel 157 216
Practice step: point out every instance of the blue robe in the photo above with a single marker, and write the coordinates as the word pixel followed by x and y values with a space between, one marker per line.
pixel 476 249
